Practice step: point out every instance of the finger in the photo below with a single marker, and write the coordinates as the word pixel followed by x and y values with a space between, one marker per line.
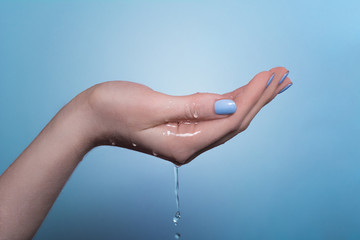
pixel 197 107
pixel 213 133
pixel 279 82
pixel 247 96
pixel 268 94
pixel 281 88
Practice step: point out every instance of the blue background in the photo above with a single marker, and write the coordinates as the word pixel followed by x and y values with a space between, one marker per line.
pixel 294 174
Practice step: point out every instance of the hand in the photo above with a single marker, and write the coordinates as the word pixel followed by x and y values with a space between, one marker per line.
pixel 176 128
pixel 128 115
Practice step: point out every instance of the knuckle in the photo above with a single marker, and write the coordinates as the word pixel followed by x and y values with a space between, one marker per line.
pixel 263 74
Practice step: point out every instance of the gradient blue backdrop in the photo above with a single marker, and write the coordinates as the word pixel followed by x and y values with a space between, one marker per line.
pixel 294 174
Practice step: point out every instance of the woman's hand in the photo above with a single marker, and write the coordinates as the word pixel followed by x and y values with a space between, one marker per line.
pixel 176 128
pixel 127 115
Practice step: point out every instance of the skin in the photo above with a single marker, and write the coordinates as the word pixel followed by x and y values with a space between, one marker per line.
pixel 128 115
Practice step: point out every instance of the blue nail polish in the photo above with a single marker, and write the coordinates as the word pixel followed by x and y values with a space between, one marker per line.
pixel 283 78
pixel 271 78
pixel 285 88
pixel 225 106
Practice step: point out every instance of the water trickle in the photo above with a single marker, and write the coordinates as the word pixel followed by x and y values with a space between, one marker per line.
pixel 176 172
pixel 177 216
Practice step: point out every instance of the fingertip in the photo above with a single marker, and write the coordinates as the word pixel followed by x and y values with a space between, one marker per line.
pixel 278 69
pixel 225 107
pixel 285 88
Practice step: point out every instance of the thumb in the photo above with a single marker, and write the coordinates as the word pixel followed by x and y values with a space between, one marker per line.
pixel 199 106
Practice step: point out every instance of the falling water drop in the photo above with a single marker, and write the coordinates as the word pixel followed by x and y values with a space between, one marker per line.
pixel 134 144
pixel 177 236
pixel 176 218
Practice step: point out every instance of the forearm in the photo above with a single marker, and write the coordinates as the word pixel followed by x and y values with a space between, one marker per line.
pixel 29 187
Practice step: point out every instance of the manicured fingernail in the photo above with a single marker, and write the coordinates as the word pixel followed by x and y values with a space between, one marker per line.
pixel 285 88
pixel 270 79
pixel 225 106
pixel 283 78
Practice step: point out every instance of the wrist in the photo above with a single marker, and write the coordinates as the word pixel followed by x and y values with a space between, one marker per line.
pixel 101 115
pixel 75 125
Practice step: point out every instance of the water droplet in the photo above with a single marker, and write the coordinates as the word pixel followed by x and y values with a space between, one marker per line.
pixel 113 143
pixel 176 218
pixel 134 144
pixel 171 125
pixel 177 236
pixel 195 113
pixel 155 154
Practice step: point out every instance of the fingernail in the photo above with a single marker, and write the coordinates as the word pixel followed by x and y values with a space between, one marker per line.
pixel 225 106
pixel 271 78
pixel 283 78
pixel 285 88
